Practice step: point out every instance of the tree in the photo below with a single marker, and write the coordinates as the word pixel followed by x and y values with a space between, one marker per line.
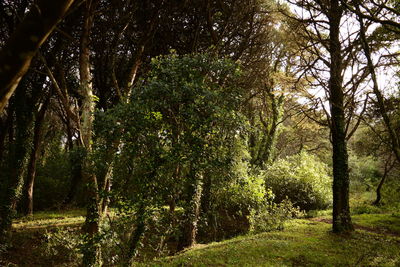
pixel 185 111
pixel 322 29
pixel 341 208
pixel 394 137
pixel 17 53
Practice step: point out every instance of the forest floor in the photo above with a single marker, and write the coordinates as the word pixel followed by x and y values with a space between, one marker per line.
pixel 303 242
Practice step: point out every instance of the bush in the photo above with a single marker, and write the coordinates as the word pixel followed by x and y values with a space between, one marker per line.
pixel 366 209
pixel 231 204
pixel 272 217
pixel 302 179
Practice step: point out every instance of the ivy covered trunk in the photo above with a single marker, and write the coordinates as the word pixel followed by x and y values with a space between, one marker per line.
pixel 91 251
pixel 192 213
pixel 12 177
pixel 341 209
pixel 263 153
pixel 137 235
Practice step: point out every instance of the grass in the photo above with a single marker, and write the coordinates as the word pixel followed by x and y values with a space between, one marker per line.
pixel 28 245
pixel 45 219
pixel 389 223
pixel 302 243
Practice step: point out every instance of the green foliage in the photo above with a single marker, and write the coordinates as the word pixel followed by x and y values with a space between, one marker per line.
pixel 365 209
pixel 391 193
pixel 53 176
pixel 364 171
pixel 231 194
pixel 303 179
pixel 272 217
pixel 180 116
pixel 236 189
pixel 178 130
pixel 62 244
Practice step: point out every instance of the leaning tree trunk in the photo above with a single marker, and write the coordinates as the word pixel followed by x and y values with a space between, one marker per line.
pixel 341 209
pixel 394 138
pixel 388 168
pixel 17 53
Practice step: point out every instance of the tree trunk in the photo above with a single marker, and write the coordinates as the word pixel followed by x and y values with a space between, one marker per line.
pixel 13 175
pixel 37 140
pixel 381 182
pixel 75 159
pixel 272 134
pixel 17 53
pixel 5 126
pixel 91 254
pixel 188 238
pixel 137 235
pixel 341 210
pixel 106 188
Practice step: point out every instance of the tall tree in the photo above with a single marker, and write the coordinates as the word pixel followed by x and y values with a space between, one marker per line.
pixel 341 181
pixel 91 255
pixel 329 54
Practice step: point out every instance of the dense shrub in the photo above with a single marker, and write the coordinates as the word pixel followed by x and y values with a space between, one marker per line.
pixel 229 197
pixel 302 179
pixel 272 216
pixel 242 204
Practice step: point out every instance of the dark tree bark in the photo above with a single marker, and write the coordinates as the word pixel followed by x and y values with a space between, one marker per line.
pixel 16 55
pixel 6 123
pixel 271 130
pixel 12 180
pixel 341 209
pixel 388 167
pixel 37 141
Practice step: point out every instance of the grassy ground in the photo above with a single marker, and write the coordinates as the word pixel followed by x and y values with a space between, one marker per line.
pixel 45 219
pixel 302 243
pixel 29 242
